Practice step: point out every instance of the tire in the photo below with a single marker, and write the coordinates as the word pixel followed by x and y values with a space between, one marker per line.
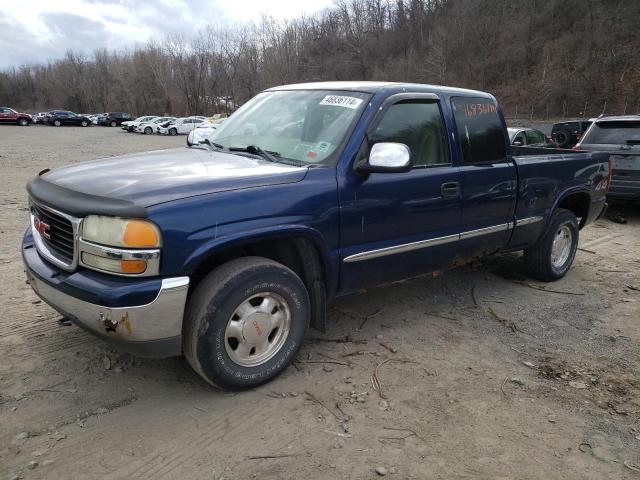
pixel 23 122
pixel 84 123
pixel 563 138
pixel 220 343
pixel 148 131
pixel 57 123
pixel 173 131
pixel 551 257
pixel 114 124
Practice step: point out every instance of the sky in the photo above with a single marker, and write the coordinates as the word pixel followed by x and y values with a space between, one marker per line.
pixel 40 30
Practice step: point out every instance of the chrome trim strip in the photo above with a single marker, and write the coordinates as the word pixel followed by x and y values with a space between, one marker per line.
pixel 407 247
pixel 528 221
pixel 41 245
pixel 152 257
pixel 486 231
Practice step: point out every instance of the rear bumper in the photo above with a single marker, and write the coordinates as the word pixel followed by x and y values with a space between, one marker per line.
pixel 625 185
pixel 152 327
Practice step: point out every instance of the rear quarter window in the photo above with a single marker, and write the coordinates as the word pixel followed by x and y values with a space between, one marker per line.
pixel 614 133
pixel 480 130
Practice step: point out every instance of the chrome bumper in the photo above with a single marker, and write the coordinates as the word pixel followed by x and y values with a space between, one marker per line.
pixel 151 330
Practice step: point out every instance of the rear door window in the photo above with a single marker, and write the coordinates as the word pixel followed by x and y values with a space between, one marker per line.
pixel 535 137
pixel 614 133
pixel 480 130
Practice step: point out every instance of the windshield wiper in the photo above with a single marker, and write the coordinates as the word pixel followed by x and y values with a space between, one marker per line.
pixel 255 150
pixel 215 145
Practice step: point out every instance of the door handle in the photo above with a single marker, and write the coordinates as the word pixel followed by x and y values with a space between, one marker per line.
pixel 450 190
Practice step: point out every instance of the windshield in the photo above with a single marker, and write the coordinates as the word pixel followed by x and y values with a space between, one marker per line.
pixel 302 125
pixel 614 133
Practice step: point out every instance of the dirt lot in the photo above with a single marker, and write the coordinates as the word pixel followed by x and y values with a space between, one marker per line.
pixel 483 372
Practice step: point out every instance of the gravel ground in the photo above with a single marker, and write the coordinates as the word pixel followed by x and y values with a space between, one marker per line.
pixel 483 373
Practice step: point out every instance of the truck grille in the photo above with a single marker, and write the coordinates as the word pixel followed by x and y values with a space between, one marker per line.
pixel 57 234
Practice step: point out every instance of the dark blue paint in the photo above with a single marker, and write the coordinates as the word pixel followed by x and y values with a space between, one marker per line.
pixel 205 202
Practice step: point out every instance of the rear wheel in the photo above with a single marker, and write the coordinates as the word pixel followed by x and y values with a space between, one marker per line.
pixel 245 322
pixel 551 257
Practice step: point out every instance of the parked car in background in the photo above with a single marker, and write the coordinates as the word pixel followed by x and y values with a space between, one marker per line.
pixel 97 118
pixel 529 137
pixel 131 125
pixel 199 134
pixel 39 117
pixel 153 125
pixel 567 134
pixel 181 126
pixel 620 137
pixel 59 118
pixel 11 117
pixel 228 252
pixel 114 119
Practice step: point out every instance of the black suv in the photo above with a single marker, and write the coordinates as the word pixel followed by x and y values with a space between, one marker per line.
pixel 114 119
pixel 58 118
pixel 567 134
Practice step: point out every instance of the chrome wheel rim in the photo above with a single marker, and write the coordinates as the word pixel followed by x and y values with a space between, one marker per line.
pixel 561 247
pixel 257 329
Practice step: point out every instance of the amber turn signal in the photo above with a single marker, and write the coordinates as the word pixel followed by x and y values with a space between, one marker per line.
pixel 133 266
pixel 139 234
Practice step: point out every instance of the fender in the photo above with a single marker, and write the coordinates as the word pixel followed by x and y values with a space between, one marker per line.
pixel 207 249
pixel 562 197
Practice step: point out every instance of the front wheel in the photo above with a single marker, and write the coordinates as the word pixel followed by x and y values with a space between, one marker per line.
pixel 23 122
pixel 551 257
pixel 245 322
pixel 114 124
pixel 57 123
pixel 148 131
pixel 84 123
pixel 173 131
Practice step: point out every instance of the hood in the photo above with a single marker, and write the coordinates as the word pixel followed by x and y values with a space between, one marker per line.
pixel 156 177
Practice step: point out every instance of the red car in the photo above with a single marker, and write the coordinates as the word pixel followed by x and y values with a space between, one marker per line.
pixel 9 115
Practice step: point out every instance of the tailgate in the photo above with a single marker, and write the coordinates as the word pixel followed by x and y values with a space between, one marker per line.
pixel 625 182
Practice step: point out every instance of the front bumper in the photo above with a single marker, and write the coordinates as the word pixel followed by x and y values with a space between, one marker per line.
pixel 150 328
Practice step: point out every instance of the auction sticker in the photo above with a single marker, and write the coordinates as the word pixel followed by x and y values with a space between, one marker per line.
pixel 341 101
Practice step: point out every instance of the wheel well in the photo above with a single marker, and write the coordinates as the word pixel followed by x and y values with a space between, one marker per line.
pixel 297 253
pixel 578 203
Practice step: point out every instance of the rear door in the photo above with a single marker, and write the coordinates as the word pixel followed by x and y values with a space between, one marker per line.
pixel 7 115
pixel 488 181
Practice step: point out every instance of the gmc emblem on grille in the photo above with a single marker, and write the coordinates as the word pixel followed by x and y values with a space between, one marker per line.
pixel 42 228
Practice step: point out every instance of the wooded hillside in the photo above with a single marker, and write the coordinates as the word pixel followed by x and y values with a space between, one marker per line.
pixel 544 57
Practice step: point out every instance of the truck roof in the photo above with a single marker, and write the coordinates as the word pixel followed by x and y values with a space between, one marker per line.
pixel 375 87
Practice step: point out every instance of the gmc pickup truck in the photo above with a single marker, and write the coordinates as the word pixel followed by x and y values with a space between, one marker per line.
pixel 227 252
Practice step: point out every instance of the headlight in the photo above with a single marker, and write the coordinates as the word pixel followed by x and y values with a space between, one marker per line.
pixel 120 232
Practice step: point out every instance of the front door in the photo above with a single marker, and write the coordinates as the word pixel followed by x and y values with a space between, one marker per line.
pixel 397 225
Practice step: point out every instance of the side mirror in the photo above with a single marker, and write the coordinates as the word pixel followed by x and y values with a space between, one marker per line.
pixel 190 140
pixel 386 157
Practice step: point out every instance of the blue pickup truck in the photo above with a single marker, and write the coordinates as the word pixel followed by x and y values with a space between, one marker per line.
pixel 228 251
